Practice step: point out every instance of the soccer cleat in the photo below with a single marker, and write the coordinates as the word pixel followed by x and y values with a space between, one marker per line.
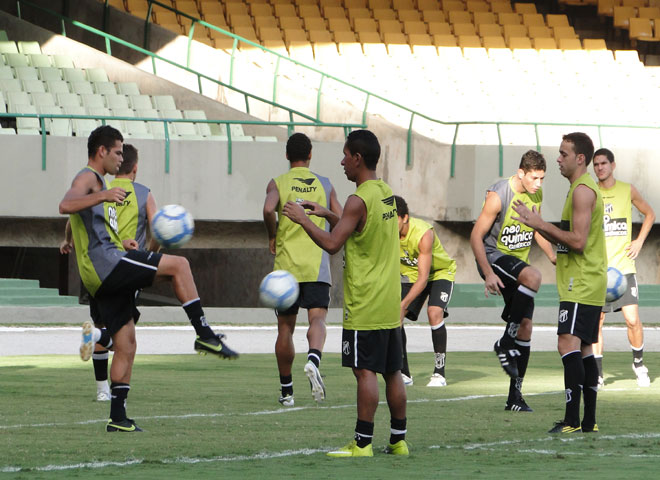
pixel 517 405
pixel 315 381
pixel 587 429
pixel 407 381
pixel 399 448
pixel 642 374
pixel 87 342
pixel 127 425
pixel 286 400
pixel 352 450
pixel 214 345
pixel 563 427
pixel 601 383
pixel 102 396
pixel 507 359
pixel 437 380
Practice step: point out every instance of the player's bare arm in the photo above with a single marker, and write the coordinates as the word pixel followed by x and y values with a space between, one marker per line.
pixel 546 247
pixel 270 217
pixel 66 246
pixel 584 201
pixel 649 218
pixel 423 270
pixel 85 192
pixel 353 218
pixel 492 206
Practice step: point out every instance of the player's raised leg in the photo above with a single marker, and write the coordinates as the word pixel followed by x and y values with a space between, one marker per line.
pixel 178 269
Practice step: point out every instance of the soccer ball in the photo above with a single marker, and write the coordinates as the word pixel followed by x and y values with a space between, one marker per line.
pixel 616 285
pixel 172 226
pixel 279 289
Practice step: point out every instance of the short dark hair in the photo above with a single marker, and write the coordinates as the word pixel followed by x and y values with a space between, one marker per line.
pixel 606 152
pixel 130 159
pixel 401 206
pixel 582 144
pixel 532 160
pixel 103 136
pixel 366 144
pixel 298 147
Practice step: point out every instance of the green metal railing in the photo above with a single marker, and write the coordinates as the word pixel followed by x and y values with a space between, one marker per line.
pixel 165 121
pixel 323 76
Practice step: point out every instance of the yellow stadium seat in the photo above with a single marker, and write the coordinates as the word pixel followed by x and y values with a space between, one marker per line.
pixel 544 43
pixel 539 32
pixel 648 12
pixel 411 27
pixel 525 8
pixel 464 29
pixel 594 44
pixel 606 7
pixel 434 16
pixel 291 22
pixel 385 14
pixel 564 32
pixel 533 19
pixel 439 28
pixel 320 36
pixel 489 30
pixel 403 5
pixel 622 16
pixel 477 6
pixel 343 37
pixel 469 41
pixel 641 29
pixel 419 39
pixel 509 19
pixel 428 5
pixel 514 31
pixel 449 5
pixel 355 4
pixel 456 16
pixel 379 4
pixel 390 26
pixel 569 44
pixel 408 15
pixel 315 23
pixel 365 25
pixel 556 20
pixel 519 42
pixel 285 10
pixel 501 7
pixel 484 17
pixel 333 11
pixel 339 25
pixel 447 40
pixel 634 3
pixel 493 41
pixel 309 11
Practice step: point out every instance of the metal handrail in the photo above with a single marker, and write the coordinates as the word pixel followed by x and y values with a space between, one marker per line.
pixel 43 116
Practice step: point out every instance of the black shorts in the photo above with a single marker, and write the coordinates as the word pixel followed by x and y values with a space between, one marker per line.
pixel 437 291
pixel 630 297
pixel 377 350
pixel 113 304
pixel 580 320
pixel 508 267
pixel 312 295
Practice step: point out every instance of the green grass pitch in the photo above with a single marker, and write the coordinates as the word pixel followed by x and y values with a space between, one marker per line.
pixel 206 418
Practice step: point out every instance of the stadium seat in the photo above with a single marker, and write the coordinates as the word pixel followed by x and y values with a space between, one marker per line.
pixel 56 126
pixel 29 47
pixel 82 87
pixel 525 8
pixel 391 26
pixel 494 42
pixel 128 88
pixel 544 43
pixel 10 85
pixel 648 12
pixel 429 16
pixel 6 72
pixel 163 102
pixel 537 31
pixel 115 100
pixel 16 60
pixel 519 42
pixel 564 32
pixel 533 20
pixel 556 20
pixel 484 17
pixel 139 101
pixel 104 88
pixel 409 15
pixel 39 60
pixel 74 75
pixel 47 74
pixel 509 18
pixel 62 61
pixel 594 44
pixel 65 100
pixel 33 86
pixel 414 27
pixel 457 16
pixel 385 14
pixel 26 73
pixel 489 30
pixel 469 41
pixel 641 29
pixel 90 100
pixel 622 16
pixel 57 86
pixel 8 46
pixel 96 75
pixel 83 127
pixel 26 125
pixel 439 28
pixel 16 99
pixel 419 39
pixel 464 29
pixel 569 44
pixel 501 7
pixel 444 40
pixel 518 31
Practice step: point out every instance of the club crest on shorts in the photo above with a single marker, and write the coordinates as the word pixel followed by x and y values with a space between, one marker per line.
pixel 444 296
pixel 633 291
pixel 346 347
pixel 563 316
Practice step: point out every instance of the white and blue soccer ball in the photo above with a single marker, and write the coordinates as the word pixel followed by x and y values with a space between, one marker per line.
pixel 279 289
pixel 616 284
pixel 172 226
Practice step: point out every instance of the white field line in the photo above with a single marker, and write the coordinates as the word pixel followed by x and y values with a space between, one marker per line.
pixel 491 446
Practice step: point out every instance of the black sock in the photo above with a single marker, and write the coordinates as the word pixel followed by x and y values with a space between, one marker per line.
pixel 100 361
pixel 314 356
pixel 590 391
pixel 405 369
pixel 397 430
pixel 286 383
pixel 439 338
pixel 364 433
pixel 638 355
pixel 573 382
pixel 106 340
pixel 520 303
pixel 599 363
pixel 197 319
pixel 515 384
pixel 118 401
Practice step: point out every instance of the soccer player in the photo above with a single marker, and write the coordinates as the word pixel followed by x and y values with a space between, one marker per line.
pixel 133 217
pixel 295 252
pixel 371 338
pixel 112 275
pixel 426 272
pixel 581 279
pixel 622 251
pixel 501 247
